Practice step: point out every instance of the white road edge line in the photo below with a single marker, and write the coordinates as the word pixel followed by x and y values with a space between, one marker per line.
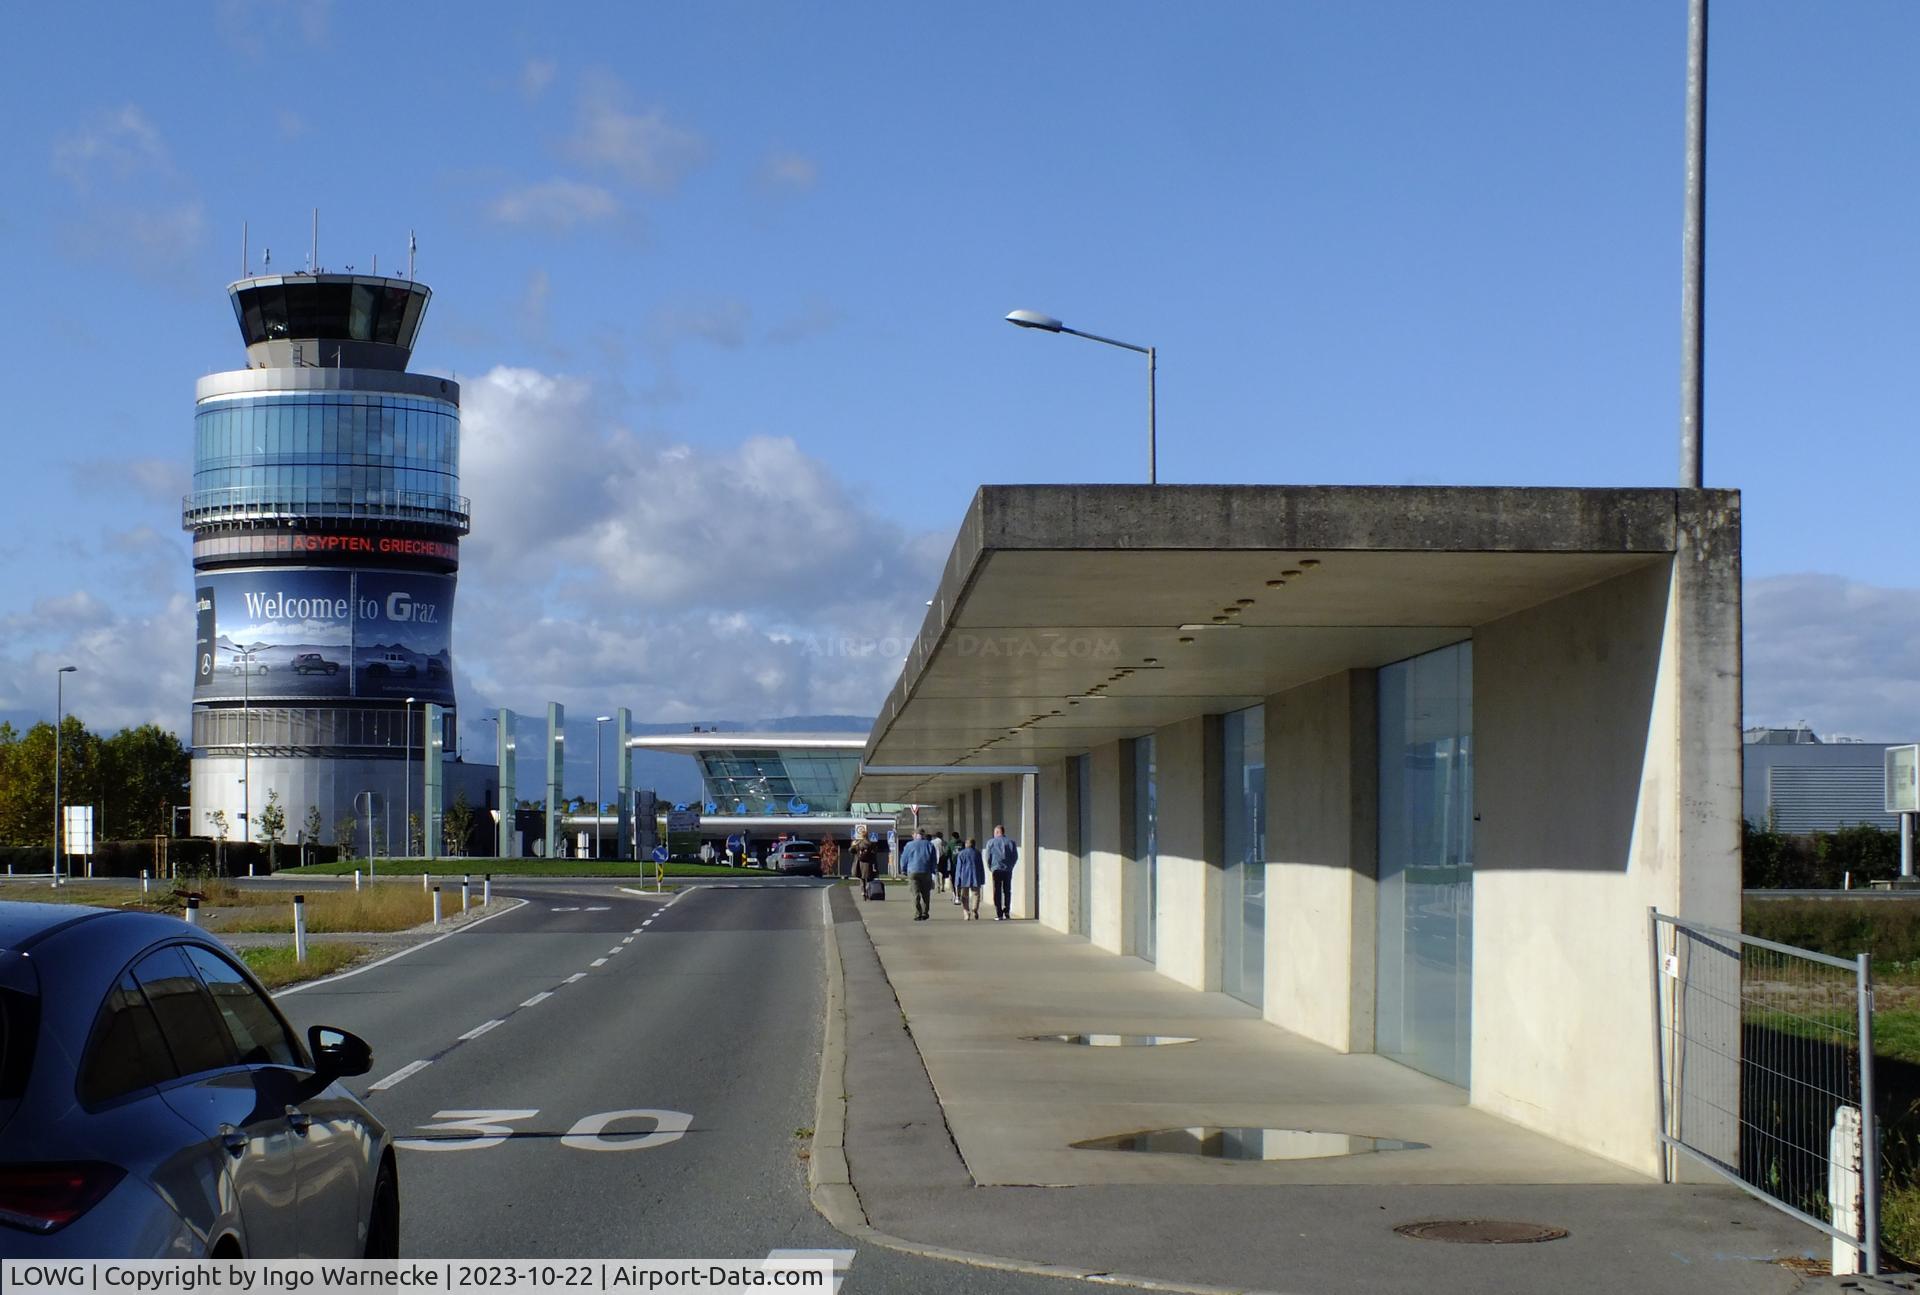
pixel 578 975
pixel 411 1068
pixel 598 962
pixel 395 957
pixel 644 894
pixel 480 1029
pixel 538 998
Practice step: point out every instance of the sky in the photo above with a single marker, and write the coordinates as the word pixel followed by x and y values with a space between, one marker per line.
pixel 723 285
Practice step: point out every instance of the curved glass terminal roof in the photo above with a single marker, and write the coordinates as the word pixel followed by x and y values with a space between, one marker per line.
pixel 332 307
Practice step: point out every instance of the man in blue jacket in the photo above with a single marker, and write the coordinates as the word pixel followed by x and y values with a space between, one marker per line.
pixel 917 861
pixel 1002 854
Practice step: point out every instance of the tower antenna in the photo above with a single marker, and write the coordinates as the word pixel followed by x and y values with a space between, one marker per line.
pixel 412 247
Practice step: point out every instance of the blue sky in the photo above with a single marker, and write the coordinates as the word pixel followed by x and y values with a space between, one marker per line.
pixel 723 285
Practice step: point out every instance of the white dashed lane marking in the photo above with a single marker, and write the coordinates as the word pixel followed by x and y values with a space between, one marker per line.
pixel 578 975
pixel 480 1029
pixel 540 997
pixel 599 908
pixel 598 962
pixel 629 939
pixel 411 1068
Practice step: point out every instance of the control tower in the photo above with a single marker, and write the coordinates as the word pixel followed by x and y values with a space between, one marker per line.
pixel 326 517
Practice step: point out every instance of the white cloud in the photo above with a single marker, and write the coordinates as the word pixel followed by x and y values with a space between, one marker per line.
pixel 557 204
pixel 644 149
pixel 160 481
pixel 121 143
pixel 132 669
pixel 1841 655
pixel 535 76
pixel 791 171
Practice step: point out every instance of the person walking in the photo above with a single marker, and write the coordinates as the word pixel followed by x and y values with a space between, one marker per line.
pixel 969 874
pixel 917 861
pixel 942 861
pixel 1002 853
pixel 864 856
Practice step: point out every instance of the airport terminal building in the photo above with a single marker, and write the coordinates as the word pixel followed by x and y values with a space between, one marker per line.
pixel 1402 769
pixel 764 785
pixel 326 518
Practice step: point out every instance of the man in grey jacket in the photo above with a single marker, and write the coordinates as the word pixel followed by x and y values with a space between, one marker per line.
pixel 917 861
pixel 1002 854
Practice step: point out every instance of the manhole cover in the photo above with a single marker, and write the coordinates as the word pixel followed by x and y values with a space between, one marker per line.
pixel 1485 1232
pixel 1216 1143
pixel 1112 1040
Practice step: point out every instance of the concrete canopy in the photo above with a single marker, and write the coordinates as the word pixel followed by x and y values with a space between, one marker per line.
pixel 1069 616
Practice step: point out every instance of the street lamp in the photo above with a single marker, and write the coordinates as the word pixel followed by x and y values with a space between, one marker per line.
pixel 598 720
pixel 59 719
pixel 1048 324
pixel 406 788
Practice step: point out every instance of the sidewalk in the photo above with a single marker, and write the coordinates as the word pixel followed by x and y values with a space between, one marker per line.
pixel 957 1133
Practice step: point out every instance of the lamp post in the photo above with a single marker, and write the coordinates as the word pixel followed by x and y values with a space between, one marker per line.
pixel 246 745
pixel 59 719
pixel 1048 324
pixel 406 788
pixel 598 720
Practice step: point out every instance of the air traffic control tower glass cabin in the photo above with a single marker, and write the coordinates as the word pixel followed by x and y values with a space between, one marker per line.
pixel 326 518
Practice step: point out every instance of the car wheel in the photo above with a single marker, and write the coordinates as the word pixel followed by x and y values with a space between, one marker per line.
pixel 383 1223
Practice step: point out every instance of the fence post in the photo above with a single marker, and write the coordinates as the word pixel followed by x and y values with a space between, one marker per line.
pixel 356 878
pixel 193 910
pixel 436 905
pixel 486 890
pixel 423 881
pixel 299 928
pixel 466 888
pixel 1869 1129
pixel 143 880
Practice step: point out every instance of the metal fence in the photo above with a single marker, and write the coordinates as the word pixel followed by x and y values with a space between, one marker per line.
pixel 1765 1074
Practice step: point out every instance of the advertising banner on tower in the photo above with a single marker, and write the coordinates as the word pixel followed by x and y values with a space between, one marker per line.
pixel 287 633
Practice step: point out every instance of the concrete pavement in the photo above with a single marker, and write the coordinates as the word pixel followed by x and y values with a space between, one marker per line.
pixel 957 1130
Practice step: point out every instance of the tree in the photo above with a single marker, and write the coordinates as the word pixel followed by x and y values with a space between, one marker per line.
pixel 309 831
pixel 344 830
pixel 219 820
pixel 416 838
pixel 457 823
pixel 142 774
pixel 273 821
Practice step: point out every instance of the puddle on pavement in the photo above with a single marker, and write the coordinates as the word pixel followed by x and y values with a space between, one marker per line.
pixel 1113 1040
pixel 1216 1143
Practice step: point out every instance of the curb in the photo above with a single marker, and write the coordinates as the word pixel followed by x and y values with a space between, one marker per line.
pixel 830 1181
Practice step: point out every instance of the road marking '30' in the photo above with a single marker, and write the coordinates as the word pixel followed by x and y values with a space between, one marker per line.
pixel 490 1128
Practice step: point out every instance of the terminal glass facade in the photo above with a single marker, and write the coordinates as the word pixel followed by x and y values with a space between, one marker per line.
pixel 748 781
pixel 1243 804
pixel 1425 988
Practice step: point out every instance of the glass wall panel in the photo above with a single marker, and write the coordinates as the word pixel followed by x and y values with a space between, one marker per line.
pixel 1243 805
pixel 1425 981
pixel 1080 788
pixel 1146 862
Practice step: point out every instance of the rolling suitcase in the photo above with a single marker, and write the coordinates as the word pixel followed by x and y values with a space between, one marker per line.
pixel 875 889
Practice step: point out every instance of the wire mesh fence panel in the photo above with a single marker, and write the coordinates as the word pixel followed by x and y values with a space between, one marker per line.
pixel 1764 1054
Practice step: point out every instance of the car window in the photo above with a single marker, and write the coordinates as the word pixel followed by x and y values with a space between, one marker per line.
pixel 125 1051
pixel 189 1021
pixel 258 1037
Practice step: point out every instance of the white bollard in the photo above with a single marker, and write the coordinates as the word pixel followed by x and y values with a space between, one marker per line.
pixel 143 881
pixel 356 878
pixel 299 928
pixel 466 888
pixel 249 869
pixel 486 890
pixel 436 905
pixel 423 881
pixel 193 910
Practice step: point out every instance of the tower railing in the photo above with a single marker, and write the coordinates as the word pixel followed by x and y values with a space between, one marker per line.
pixel 294 503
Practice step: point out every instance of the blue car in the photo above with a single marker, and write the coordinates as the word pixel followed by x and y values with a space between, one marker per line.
pixel 154 1103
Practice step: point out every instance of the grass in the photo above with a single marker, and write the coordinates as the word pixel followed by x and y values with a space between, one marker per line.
pixel 478 868
pixel 374 908
pixel 276 968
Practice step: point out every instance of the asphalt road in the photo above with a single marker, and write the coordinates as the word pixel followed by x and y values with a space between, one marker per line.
pixel 545 1028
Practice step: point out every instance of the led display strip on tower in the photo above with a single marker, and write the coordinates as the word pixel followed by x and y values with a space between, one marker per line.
pixel 287 633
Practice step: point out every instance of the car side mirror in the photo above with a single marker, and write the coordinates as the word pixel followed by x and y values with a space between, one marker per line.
pixel 337 1054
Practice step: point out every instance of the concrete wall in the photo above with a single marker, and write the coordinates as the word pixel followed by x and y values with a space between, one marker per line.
pixel 1187 762
pixel 1053 846
pixel 1606 733
pixel 1322 832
